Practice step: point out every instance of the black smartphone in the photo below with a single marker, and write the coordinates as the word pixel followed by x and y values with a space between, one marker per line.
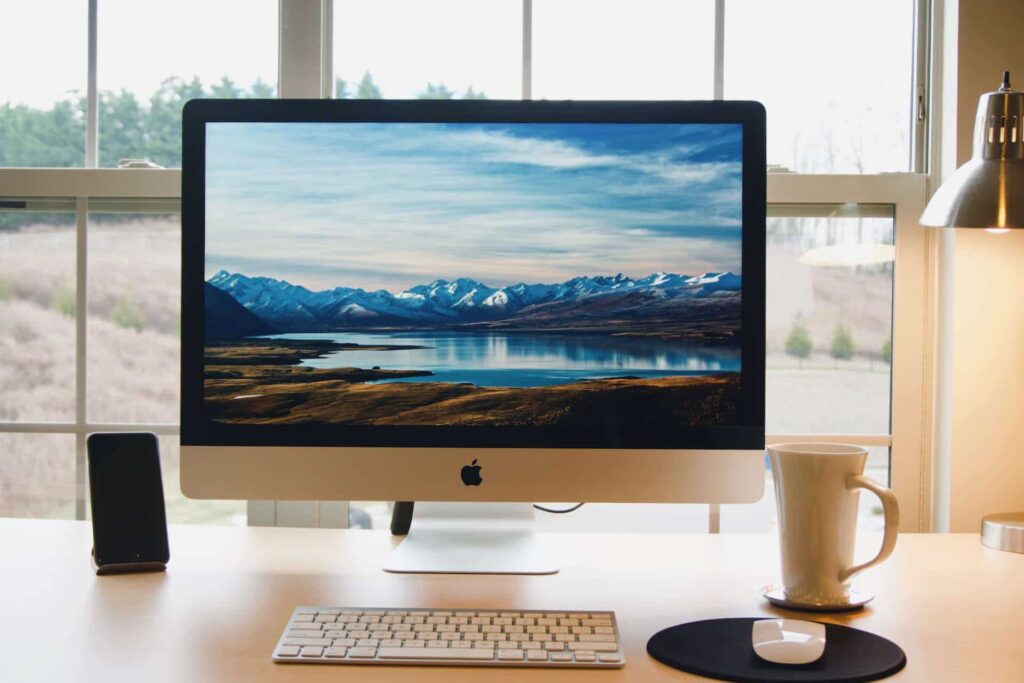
pixel 129 525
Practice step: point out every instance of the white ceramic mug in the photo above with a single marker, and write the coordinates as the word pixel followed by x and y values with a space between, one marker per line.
pixel 817 488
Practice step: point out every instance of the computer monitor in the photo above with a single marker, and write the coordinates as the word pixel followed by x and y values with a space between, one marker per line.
pixel 473 300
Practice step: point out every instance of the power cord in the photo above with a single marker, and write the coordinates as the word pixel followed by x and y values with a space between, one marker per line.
pixel 574 508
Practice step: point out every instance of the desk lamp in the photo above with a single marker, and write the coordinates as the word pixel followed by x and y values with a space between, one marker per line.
pixel 988 192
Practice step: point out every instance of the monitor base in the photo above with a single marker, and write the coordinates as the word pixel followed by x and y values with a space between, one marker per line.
pixel 472 538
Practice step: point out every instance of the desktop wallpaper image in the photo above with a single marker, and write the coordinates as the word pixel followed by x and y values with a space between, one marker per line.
pixel 572 276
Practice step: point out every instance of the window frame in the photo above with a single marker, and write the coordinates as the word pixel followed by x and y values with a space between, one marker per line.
pixel 306 70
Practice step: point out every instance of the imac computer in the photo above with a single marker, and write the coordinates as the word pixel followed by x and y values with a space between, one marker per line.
pixel 476 301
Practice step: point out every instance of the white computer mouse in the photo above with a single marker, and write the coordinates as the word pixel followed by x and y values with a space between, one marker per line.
pixel 788 641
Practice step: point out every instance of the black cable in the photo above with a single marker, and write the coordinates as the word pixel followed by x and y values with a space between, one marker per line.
pixel 574 508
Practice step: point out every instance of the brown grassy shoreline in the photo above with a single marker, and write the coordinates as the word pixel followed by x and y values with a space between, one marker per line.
pixel 260 382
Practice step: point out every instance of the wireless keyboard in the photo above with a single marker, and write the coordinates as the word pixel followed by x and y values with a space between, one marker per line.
pixel 359 635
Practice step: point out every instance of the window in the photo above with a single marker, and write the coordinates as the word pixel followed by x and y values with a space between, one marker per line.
pixel 89 270
pixel 442 49
pixel 202 49
pixel 643 49
pixel 835 105
pixel 42 109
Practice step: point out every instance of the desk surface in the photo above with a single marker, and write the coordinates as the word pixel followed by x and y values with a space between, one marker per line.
pixel 954 606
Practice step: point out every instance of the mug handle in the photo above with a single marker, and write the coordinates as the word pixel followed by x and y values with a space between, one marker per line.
pixel 891 512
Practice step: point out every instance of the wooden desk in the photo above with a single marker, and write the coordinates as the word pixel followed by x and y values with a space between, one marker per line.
pixel 956 607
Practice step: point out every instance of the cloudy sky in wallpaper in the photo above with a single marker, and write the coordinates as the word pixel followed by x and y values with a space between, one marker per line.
pixel 389 206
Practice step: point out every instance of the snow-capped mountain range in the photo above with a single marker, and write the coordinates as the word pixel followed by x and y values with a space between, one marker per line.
pixel 293 307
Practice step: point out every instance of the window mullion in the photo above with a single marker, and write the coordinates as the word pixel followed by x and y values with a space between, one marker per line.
pixel 81 302
pixel 719 79
pixel 92 96
pixel 527 74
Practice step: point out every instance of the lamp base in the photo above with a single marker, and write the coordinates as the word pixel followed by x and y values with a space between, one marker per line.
pixel 1004 531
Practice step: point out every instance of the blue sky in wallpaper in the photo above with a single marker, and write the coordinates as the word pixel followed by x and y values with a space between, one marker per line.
pixel 389 206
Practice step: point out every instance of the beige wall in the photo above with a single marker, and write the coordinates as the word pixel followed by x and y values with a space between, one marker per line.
pixel 988 342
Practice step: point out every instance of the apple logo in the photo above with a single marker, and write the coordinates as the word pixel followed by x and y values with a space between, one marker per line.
pixel 471 474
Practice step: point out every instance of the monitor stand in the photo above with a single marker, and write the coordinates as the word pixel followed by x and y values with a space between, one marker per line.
pixel 471 538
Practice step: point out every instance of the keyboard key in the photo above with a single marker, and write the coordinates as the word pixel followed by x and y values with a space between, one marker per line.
pixel 537 656
pixel 367 642
pixel 461 644
pixel 555 615
pixel 288 651
pixel 586 656
pixel 390 643
pixel 603 629
pixel 560 656
pixel 599 638
pixel 510 655
pixel 531 646
pixel 306 627
pixel 437 644
pixel 404 653
pixel 312 652
pixel 336 652
pixel 362 652
pixel 344 642
pixel 594 647
pixel 414 643
pixel 303 617
pixel 484 644
pixel 609 658
pixel 554 647
pixel 308 642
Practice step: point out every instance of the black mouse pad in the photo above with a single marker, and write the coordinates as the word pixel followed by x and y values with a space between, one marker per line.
pixel 722 649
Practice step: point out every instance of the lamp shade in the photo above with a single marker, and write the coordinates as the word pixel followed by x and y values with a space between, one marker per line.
pixel 987 191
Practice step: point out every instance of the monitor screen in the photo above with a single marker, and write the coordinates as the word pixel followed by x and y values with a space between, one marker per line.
pixel 477 283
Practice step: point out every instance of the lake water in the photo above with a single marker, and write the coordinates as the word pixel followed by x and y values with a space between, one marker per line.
pixel 521 360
